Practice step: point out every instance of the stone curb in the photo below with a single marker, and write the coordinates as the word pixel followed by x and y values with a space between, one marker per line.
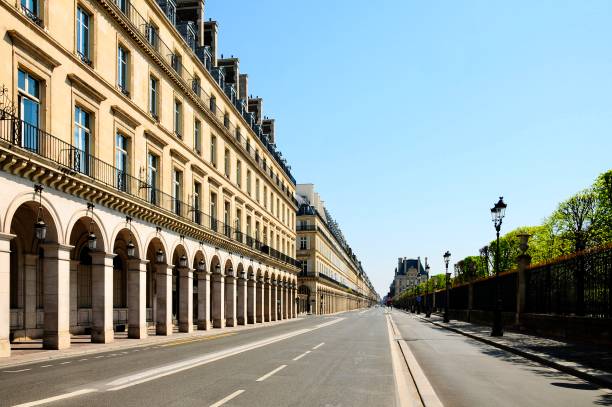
pixel 141 343
pixel 599 380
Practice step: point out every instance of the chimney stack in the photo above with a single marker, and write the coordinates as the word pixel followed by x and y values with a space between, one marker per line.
pixel 243 86
pixel 192 10
pixel 210 38
pixel 267 126
pixel 256 106
pixel 231 72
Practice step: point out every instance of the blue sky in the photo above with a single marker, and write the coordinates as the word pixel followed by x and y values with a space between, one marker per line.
pixel 412 117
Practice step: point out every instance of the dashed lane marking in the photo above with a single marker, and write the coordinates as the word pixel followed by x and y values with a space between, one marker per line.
pixel 47 366
pixel 15 371
pixel 318 346
pixel 228 398
pixel 56 398
pixel 301 356
pixel 264 377
pixel 65 363
pixel 191 340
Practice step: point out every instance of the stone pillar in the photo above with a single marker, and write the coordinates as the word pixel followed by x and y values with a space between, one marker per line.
pixel 204 300
pixel 56 289
pixel 267 295
pixel 102 297
pixel 230 300
pixel 281 297
pixel 523 261
pixel 74 301
pixel 163 320
pixel 259 300
pixel 251 300
pixel 274 287
pixel 241 311
pixel 218 309
pixel 137 298
pixel 29 311
pixel 185 311
pixel 295 310
pixel 5 287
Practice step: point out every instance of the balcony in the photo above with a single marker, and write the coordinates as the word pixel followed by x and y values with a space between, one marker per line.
pixel 187 29
pixel 306 228
pixel 32 15
pixel 19 135
pixel 205 56
pixel 169 9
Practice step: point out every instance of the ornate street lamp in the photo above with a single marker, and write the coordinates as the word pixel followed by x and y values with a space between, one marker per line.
pixel 201 265
pixel 447 257
pixel 427 303
pixel 131 248
pixel 498 211
pixel 230 272
pixel 91 237
pixel 218 268
pixel 159 256
pixel 183 261
pixel 40 227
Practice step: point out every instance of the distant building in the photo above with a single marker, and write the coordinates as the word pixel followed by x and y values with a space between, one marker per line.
pixel 409 273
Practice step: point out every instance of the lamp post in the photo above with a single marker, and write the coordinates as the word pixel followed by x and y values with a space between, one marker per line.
pixel 447 256
pixel 498 211
pixel 427 303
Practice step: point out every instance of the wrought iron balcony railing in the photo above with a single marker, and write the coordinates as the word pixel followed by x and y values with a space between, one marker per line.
pixel 31 139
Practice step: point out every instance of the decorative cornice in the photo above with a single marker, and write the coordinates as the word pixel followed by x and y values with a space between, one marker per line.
pixel 158 141
pixel 86 88
pixel 25 43
pixel 174 153
pixel 124 116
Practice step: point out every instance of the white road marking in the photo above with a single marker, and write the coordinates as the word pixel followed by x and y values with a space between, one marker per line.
pixel 363 312
pixel 318 346
pixel 301 356
pixel 65 363
pixel 83 360
pixel 98 357
pixel 56 398
pixel 15 371
pixel 47 366
pixel 228 398
pixel 264 377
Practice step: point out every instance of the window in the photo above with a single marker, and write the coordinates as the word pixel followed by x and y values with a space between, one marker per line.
pixel 213 104
pixel 82 134
pixel 265 196
pixel 197 136
pixel 153 35
pixel 153 97
pixel 265 235
pixel 29 110
pixel 271 202
pixel 176 62
pixel 303 242
pixel 153 177
pixel 177 190
pixel 238 173
pixel 248 182
pixel 238 217
pixel 226 162
pixel 277 208
pixel 121 160
pixel 197 202
pixel 226 121
pixel 248 145
pixel 122 70
pixel 226 219
pixel 238 135
pixel 31 9
pixel 122 4
pixel 304 266
pixel 213 151
pixel 83 35
pixel 178 118
pixel 213 211
pixel 257 189
pixel 195 85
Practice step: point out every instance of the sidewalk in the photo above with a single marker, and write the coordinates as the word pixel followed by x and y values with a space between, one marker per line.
pixel 31 351
pixel 589 362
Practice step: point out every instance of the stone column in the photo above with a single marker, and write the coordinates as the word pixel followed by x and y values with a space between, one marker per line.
pixel 74 300
pixel 281 296
pixel 5 287
pixel 218 309
pixel 274 287
pixel 102 297
pixel 230 300
pixel 163 320
pixel 259 299
pixel 267 295
pixel 137 298
pixel 29 311
pixel 241 311
pixel 295 310
pixel 251 300
pixel 204 300
pixel 185 312
pixel 523 260
pixel 56 289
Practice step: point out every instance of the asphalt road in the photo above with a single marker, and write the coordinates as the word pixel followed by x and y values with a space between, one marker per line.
pixel 465 372
pixel 341 360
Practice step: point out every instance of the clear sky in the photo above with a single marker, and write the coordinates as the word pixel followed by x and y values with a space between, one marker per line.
pixel 412 117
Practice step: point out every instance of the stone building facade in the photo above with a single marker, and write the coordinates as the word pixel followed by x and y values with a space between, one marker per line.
pixel 151 173
pixel 332 278
pixel 409 273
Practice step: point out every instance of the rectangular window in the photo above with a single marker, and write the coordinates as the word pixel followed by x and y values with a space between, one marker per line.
pixel 197 202
pixel 248 182
pixel 177 190
pixel 29 110
pixel 176 62
pixel 195 85
pixel 265 196
pixel 227 219
pixel 83 35
pixel 178 118
pixel 303 243
pixel 226 121
pixel 226 162
pixel 213 151
pixel 154 97
pixel 31 9
pixel 197 136
pixel 122 70
pixel 213 104
pixel 82 142
pixel 153 177
pixel 213 211
pixel 153 35
pixel 238 173
pixel 304 266
pixel 121 161
pixel 257 189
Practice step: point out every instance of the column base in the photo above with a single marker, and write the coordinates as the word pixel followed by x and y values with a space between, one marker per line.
pixel 163 330
pixel 218 323
pixel 102 336
pixel 5 348
pixel 230 322
pixel 259 319
pixel 241 321
pixel 204 325
pixel 185 327
pixel 137 332
pixel 250 319
pixel 56 340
